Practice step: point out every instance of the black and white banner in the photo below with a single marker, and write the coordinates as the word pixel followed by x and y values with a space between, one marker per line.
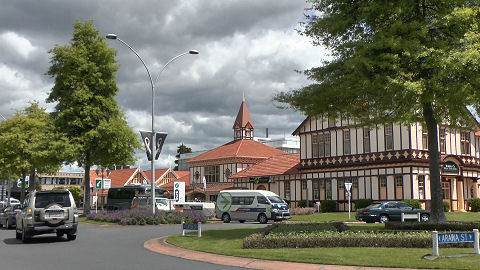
pixel 147 141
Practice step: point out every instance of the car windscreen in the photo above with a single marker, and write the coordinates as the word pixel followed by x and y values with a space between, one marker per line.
pixel 44 199
pixel 275 199
pixel 375 205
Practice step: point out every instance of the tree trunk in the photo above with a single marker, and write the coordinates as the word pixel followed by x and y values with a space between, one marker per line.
pixel 438 216
pixel 31 184
pixel 86 206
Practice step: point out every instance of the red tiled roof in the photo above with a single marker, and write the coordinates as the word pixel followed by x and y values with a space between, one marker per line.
pixel 183 176
pixel 239 148
pixel 477 133
pixel 243 117
pixel 158 173
pixel 277 165
pixel 118 177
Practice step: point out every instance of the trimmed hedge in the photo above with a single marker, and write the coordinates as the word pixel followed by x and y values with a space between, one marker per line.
pixel 426 226
pixel 144 217
pixel 303 203
pixel 474 204
pixel 414 203
pixel 328 206
pixel 288 227
pixel 362 203
pixel 339 239
pixel 446 206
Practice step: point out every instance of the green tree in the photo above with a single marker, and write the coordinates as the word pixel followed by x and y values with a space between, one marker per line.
pixel 400 61
pixel 181 149
pixel 28 141
pixel 77 192
pixel 86 111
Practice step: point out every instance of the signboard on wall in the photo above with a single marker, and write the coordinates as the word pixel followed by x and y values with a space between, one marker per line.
pixel 450 167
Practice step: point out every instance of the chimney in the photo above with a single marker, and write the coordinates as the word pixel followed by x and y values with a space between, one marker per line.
pixel 266 132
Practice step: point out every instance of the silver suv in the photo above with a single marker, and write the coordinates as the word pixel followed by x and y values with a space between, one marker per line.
pixel 49 211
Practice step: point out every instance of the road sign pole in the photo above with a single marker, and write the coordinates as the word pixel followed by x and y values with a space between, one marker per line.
pixel 349 195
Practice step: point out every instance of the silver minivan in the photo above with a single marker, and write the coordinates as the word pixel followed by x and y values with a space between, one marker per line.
pixel 242 205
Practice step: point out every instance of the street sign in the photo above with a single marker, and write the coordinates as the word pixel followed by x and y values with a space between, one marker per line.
pixel 107 183
pixel 348 186
pixel 179 192
pixel 447 238
pixel 98 183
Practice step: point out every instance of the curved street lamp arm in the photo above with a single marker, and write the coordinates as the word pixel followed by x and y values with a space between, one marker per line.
pixel 171 60
pixel 143 62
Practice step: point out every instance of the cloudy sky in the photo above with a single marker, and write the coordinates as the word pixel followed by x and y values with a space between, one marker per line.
pixel 246 47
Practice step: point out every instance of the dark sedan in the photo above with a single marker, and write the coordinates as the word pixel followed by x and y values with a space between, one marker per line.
pixel 389 211
pixel 8 216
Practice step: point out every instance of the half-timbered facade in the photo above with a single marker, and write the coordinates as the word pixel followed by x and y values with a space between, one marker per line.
pixel 386 162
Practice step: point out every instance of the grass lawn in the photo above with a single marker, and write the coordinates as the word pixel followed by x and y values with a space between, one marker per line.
pixel 229 242
pixel 343 216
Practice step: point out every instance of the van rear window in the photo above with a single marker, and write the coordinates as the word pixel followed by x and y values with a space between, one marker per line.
pixel 244 200
pixel 42 200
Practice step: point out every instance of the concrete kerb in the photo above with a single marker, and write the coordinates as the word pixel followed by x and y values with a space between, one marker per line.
pixel 159 245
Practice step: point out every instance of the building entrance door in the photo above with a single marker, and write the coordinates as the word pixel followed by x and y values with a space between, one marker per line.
pixel 446 191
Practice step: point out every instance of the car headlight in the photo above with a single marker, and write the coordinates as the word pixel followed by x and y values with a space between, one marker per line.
pixel 275 210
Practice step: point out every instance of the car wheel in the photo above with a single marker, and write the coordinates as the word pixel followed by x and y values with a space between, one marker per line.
pixel 262 218
pixel 226 218
pixel 8 226
pixel 241 221
pixel 425 217
pixel 60 234
pixel 384 219
pixel 25 237
pixel 71 237
pixel 18 235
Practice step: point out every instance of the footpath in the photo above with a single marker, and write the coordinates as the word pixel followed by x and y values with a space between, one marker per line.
pixel 159 245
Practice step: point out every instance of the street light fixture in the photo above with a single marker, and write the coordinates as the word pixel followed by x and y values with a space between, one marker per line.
pixel 152 83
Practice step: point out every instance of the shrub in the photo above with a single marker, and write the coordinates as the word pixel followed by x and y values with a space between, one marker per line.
pixel 338 239
pixel 446 206
pixel 414 203
pixel 287 227
pixel 302 211
pixel 474 204
pixel 426 226
pixel 362 203
pixel 144 217
pixel 303 204
pixel 328 206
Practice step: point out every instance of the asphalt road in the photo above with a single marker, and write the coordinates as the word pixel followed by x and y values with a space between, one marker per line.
pixel 96 247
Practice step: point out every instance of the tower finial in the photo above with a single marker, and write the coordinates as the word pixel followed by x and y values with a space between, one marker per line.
pixel 243 97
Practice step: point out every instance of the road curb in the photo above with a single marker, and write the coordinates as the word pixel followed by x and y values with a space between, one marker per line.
pixel 159 245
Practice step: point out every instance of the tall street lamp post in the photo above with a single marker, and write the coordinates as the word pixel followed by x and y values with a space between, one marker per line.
pixel 152 83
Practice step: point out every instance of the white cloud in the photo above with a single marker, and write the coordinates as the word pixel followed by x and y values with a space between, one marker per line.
pixel 18 44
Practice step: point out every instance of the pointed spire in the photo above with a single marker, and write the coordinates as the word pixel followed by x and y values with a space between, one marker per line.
pixel 243 126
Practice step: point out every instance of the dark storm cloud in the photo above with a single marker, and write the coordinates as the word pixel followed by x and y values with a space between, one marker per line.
pixel 247 47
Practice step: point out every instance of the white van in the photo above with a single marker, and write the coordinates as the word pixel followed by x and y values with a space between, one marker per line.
pixel 244 205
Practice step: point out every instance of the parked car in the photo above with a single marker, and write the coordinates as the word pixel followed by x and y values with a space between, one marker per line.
pixel 8 216
pixel 4 204
pixel 389 211
pixel 48 211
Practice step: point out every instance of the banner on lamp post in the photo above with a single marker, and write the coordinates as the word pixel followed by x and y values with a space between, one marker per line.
pixel 148 143
pixel 179 192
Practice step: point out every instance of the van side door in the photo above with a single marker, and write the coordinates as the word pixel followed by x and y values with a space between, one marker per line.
pixel 263 205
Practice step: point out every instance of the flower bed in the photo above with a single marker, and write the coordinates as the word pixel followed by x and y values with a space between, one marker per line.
pixel 336 234
pixel 144 217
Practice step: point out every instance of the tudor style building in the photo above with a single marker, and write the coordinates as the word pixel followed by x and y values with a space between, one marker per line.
pixel 219 163
pixel 387 162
